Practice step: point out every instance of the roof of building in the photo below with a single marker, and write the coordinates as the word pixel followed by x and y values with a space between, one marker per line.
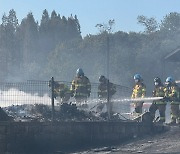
pixel 174 56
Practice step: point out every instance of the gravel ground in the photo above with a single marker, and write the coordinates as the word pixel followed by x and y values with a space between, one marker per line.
pixel 165 143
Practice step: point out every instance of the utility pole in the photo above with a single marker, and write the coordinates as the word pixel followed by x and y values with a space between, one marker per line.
pixel 107 29
pixel 52 97
pixel 108 100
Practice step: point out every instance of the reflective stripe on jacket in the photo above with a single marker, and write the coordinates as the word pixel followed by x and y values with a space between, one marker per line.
pixel 172 92
pixel 139 91
pixel 159 91
pixel 62 91
pixel 81 86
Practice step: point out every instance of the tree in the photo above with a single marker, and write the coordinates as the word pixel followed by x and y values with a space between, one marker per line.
pixel 9 52
pixel 73 28
pixel 171 22
pixel 45 17
pixel 55 28
pixel 45 40
pixel 106 27
pixel 12 19
pixel 77 24
pixel 150 24
pixel 28 38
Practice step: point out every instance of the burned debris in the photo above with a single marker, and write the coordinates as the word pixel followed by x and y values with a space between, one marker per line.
pixel 43 113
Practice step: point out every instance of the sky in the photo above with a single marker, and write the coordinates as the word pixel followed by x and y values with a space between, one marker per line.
pixel 92 12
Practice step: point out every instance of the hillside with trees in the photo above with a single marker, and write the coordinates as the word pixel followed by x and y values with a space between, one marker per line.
pixel 31 50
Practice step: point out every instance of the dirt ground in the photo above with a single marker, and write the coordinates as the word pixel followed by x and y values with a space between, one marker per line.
pixel 164 143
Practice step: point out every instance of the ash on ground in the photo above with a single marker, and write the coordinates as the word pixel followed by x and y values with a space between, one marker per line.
pixel 65 112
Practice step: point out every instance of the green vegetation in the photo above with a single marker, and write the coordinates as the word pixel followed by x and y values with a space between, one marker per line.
pixel 55 47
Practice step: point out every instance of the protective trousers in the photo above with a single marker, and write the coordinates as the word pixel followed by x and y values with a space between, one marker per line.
pixel 175 113
pixel 138 107
pixel 66 98
pixel 161 107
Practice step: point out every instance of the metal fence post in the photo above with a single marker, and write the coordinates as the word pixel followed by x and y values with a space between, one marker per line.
pixel 108 102
pixel 108 99
pixel 52 97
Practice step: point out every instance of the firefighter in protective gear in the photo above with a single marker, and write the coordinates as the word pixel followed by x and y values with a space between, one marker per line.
pixel 172 92
pixel 160 104
pixel 139 91
pixel 81 87
pixel 104 87
pixel 62 91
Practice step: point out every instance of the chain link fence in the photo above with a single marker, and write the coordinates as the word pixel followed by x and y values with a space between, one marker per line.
pixel 20 93
pixel 31 94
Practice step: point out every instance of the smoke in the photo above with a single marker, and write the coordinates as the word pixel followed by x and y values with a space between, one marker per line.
pixel 17 97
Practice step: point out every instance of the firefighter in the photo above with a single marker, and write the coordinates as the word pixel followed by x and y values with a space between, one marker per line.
pixel 62 91
pixel 160 104
pixel 81 87
pixel 103 89
pixel 172 93
pixel 139 91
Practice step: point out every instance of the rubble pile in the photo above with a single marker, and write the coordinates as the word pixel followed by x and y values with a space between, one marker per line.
pixel 28 112
pixel 65 112
pixel 4 116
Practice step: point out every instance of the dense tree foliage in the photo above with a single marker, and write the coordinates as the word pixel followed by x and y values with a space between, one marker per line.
pixel 55 47
pixel 25 47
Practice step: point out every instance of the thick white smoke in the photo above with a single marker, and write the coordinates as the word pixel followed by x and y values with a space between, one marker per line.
pixel 17 97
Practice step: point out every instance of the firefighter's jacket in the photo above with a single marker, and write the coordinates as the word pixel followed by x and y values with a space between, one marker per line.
pixel 173 93
pixel 62 91
pixel 139 90
pixel 103 90
pixel 81 86
pixel 159 91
